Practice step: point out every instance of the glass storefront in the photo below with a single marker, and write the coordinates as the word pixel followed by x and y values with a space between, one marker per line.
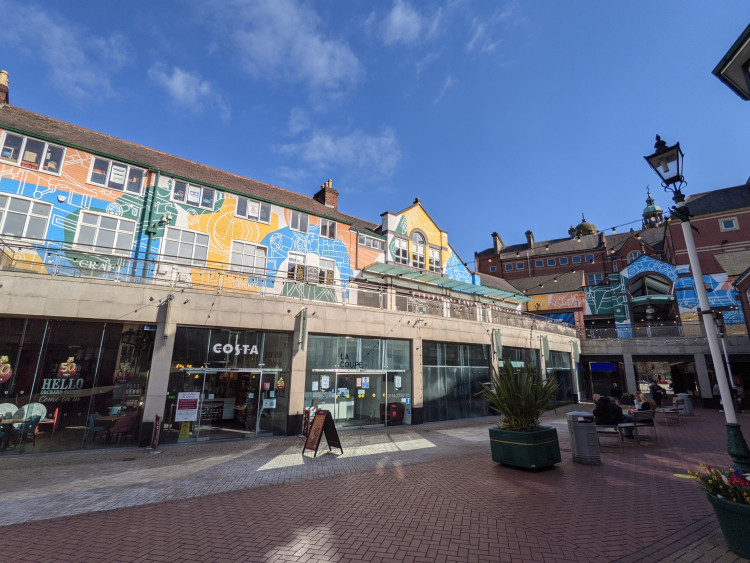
pixel 68 385
pixel 361 381
pixel 452 375
pixel 227 384
pixel 559 368
pixel 520 358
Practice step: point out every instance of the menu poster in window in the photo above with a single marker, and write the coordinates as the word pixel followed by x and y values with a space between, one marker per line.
pixel 194 195
pixel 253 209
pixel 117 175
pixel 187 407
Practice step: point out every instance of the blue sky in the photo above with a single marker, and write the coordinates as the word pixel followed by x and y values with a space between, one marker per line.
pixel 499 116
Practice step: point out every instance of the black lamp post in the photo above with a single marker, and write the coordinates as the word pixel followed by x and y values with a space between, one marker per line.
pixel 667 163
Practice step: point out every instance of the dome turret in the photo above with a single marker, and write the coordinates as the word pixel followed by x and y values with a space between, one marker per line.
pixel 584 228
pixel 653 216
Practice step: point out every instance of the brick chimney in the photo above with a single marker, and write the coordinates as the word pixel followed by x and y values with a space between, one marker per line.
pixel 497 243
pixel 529 239
pixel 327 195
pixel 4 94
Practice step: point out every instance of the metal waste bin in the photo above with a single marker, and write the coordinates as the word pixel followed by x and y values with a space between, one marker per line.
pixel 583 439
pixel 687 406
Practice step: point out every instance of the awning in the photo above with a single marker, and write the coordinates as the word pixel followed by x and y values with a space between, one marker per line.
pixel 646 299
pixel 441 281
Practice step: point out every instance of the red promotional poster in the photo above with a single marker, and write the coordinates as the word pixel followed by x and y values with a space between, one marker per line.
pixel 6 372
pixel 67 369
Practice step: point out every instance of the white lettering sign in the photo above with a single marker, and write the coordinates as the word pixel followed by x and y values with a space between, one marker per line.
pixel 236 349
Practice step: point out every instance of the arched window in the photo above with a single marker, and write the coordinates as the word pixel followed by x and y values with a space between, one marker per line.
pixel 633 256
pixel 417 250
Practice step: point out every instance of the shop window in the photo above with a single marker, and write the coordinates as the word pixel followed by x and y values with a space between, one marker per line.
pixel 296 267
pixel 248 258
pixel 253 210
pixel 197 196
pixel 32 153
pixel 370 242
pixel 185 247
pixel 401 251
pixel 576 259
pixel 326 270
pixel 328 229
pixel 299 221
pixel 21 217
pixel 435 261
pixel 116 175
pixel 417 250
pixel 104 233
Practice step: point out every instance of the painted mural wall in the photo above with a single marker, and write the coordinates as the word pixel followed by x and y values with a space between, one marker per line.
pixel 612 299
pixel 415 218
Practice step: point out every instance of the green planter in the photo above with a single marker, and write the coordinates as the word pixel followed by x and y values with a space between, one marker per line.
pixel 734 520
pixel 529 450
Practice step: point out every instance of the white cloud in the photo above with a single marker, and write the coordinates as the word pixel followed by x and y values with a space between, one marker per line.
pixel 283 41
pixel 482 31
pixel 299 121
pixel 81 65
pixel 404 24
pixel 446 86
pixel 187 91
pixel 377 155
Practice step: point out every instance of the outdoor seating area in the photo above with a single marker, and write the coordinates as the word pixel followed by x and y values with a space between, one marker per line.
pixel 643 426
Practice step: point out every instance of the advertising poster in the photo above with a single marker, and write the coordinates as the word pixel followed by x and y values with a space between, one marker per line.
pixel 187 407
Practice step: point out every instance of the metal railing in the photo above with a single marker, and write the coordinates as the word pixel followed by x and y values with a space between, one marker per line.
pixel 684 330
pixel 60 259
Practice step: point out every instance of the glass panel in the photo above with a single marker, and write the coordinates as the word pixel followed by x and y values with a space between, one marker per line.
pixel 200 254
pixel 187 237
pixel 53 159
pixel 12 148
pixel 127 226
pixel 135 181
pixel 36 227
pixel 242 207
pixel 208 198
pixel 265 213
pixel 179 190
pixel 105 240
pixel 186 251
pixel 124 241
pixel 99 171
pixel 21 205
pixel 86 235
pixel 32 154
pixel 14 224
pixel 41 209
pixel 108 223
pixel 170 248
pixel 117 176
pixel 3 201
pixel 201 239
pixel 89 218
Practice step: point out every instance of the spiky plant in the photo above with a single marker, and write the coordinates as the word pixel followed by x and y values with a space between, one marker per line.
pixel 520 397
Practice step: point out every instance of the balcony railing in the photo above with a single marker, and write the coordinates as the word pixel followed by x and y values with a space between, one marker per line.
pixel 684 330
pixel 306 283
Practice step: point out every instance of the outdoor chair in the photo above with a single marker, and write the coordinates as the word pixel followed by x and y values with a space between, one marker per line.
pixel 644 419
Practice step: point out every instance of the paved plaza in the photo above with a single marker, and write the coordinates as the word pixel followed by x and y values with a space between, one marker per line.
pixel 419 493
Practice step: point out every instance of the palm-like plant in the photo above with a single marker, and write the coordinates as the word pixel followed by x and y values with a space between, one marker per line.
pixel 520 397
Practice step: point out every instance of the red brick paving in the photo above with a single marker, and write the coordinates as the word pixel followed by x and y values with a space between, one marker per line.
pixel 452 508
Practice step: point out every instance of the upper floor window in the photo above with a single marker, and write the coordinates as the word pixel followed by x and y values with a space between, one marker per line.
pixel 295 266
pixel 728 224
pixel 104 233
pixel 633 256
pixel 508 267
pixel 576 259
pixel 32 153
pixel 115 175
pixel 417 250
pixel 550 261
pixel 255 210
pixel 328 229
pixel 370 242
pixel 401 251
pixel 436 263
pixel 299 221
pixel 539 263
pixel 520 265
pixel 21 217
pixel 563 260
pixel 594 279
pixel 493 269
pixel 248 258
pixel 326 268
pixel 197 196
pixel 589 258
pixel 185 247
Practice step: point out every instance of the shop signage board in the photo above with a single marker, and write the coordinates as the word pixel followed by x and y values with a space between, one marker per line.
pixel 322 424
pixel 187 407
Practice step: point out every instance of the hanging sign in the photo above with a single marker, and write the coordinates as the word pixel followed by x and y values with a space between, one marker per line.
pixel 322 424
pixel 6 372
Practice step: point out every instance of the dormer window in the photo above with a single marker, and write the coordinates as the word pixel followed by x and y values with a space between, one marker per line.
pixel 417 250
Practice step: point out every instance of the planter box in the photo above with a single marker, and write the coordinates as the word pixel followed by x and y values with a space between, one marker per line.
pixel 529 450
pixel 734 521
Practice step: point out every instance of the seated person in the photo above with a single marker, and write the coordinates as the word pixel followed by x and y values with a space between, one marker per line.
pixel 640 403
pixel 608 413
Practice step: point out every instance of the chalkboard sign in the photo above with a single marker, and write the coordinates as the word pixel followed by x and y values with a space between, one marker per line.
pixel 322 424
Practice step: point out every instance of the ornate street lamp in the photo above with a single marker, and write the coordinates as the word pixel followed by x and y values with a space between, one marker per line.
pixel 667 163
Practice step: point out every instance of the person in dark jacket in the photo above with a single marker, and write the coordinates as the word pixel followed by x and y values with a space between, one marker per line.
pixel 607 413
pixel 615 393
pixel 656 393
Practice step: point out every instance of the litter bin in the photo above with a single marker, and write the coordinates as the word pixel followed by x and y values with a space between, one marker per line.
pixel 687 406
pixel 583 439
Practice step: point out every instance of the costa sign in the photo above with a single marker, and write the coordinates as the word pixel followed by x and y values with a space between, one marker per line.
pixel 236 349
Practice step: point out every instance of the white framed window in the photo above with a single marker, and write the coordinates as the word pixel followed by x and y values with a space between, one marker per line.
pixel 493 269
pixel 254 210
pixel 589 258
pixel 633 256
pixel 563 260
pixel 520 266
pixel 401 248
pixel 299 221
pixel 551 262
pixel 21 217
pixel 296 266
pixel 417 250
pixel 729 224
pixel 248 258
pixel 539 263
pixel 370 242
pixel 190 194
pixel 436 263
pixel 326 269
pixel 105 234
pixel 32 153
pixel 508 267
pixel 576 259
pixel 594 279
pixel 185 247
pixel 328 229
pixel 116 175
